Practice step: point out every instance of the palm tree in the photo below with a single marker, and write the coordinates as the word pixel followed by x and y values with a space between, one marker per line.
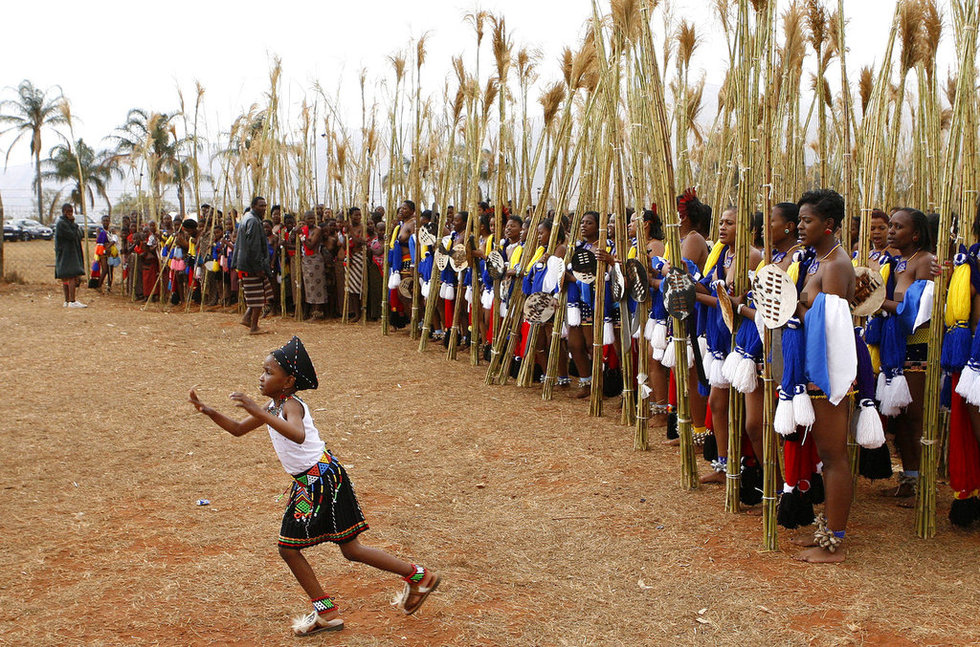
pixel 63 163
pixel 32 111
pixel 153 137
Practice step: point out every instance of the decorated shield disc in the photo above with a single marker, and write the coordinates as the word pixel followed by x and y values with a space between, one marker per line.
pixel 495 265
pixel 617 284
pixel 458 258
pixel 637 280
pixel 679 295
pixel 539 307
pixel 871 289
pixel 775 295
pixel 405 287
pixel 584 265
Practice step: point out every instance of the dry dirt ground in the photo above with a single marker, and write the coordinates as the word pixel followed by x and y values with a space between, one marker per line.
pixel 547 527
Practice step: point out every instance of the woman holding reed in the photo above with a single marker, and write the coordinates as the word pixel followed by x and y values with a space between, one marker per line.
pixel 827 289
pixel 718 277
pixel 655 250
pixel 905 338
pixel 581 303
pixel 542 277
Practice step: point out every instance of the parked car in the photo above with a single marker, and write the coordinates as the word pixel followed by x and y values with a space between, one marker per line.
pixel 94 224
pixel 13 232
pixel 34 229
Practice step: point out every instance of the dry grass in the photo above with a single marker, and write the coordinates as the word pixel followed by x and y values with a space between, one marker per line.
pixel 543 533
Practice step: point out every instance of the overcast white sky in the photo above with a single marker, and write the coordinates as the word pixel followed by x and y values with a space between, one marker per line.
pixel 109 56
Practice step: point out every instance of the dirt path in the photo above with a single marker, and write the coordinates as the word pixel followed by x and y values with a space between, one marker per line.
pixel 548 528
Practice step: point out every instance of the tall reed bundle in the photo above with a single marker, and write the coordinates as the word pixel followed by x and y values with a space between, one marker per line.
pixel 925 503
pixel 455 112
pixel 395 169
pixel 663 192
pixel 502 48
pixel 553 99
pixel 770 445
pixel 415 172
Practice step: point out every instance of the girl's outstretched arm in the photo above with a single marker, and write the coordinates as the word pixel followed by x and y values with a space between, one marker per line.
pixel 292 427
pixel 233 427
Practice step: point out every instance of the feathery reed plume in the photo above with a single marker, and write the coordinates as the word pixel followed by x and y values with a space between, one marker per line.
pixel 816 21
pixel 566 65
pixel 693 102
pixel 502 46
pixel 866 82
pixel 489 95
pixel 626 18
pixel 420 51
pixel 909 20
pixel 950 89
pixel 477 19
pixel 928 36
pixel 687 42
pixel 550 102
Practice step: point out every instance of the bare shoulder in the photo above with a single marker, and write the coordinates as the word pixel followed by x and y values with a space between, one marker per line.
pixel 292 407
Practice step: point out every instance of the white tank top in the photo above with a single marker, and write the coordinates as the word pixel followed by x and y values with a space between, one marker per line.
pixel 296 458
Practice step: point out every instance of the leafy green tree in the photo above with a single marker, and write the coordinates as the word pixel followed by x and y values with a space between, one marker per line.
pixel 30 113
pixel 152 137
pixel 63 165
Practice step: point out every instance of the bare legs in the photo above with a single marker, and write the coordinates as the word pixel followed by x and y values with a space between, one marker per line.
pixel 718 401
pixel 908 424
pixel 353 551
pixel 830 434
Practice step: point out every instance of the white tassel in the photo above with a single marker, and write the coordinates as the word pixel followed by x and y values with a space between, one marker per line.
pixel 708 363
pixel 974 395
pixel 896 396
pixel 503 309
pixel 564 330
pixel 469 294
pixel 486 300
pixel 703 346
pixel 394 280
pixel 657 354
pixel 608 336
pixel 648 329
pixel 424 289
pixel 869 433
pixel 967 378
pixel 803 410
pixel 670 357
pixel 716 377
pixel 659 338
pixel 690 356
pixel 784 421
pixel 573 315
pixel 880 387
pixel 745 378
pixel 728 368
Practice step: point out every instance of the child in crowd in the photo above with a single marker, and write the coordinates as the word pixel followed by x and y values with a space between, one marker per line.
pixel 322 505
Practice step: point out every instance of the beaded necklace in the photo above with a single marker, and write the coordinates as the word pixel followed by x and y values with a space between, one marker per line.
pixel 816 264
pixel 903 263
pixel 779 256
pixel 275 407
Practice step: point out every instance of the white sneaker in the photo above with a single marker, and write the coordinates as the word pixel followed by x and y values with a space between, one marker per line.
pixel 77 304
pixel 66 305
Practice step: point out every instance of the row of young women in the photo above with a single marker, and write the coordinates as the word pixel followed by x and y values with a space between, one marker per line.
pixel 816 400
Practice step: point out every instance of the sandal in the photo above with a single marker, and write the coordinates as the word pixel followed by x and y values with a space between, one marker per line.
pixel 313 624
pixel 422 591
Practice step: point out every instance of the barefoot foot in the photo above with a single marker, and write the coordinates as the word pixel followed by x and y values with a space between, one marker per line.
pixel 713 477
pixel 817 555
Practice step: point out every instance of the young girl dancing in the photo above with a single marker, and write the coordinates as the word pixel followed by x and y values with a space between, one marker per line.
pixel 322 506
